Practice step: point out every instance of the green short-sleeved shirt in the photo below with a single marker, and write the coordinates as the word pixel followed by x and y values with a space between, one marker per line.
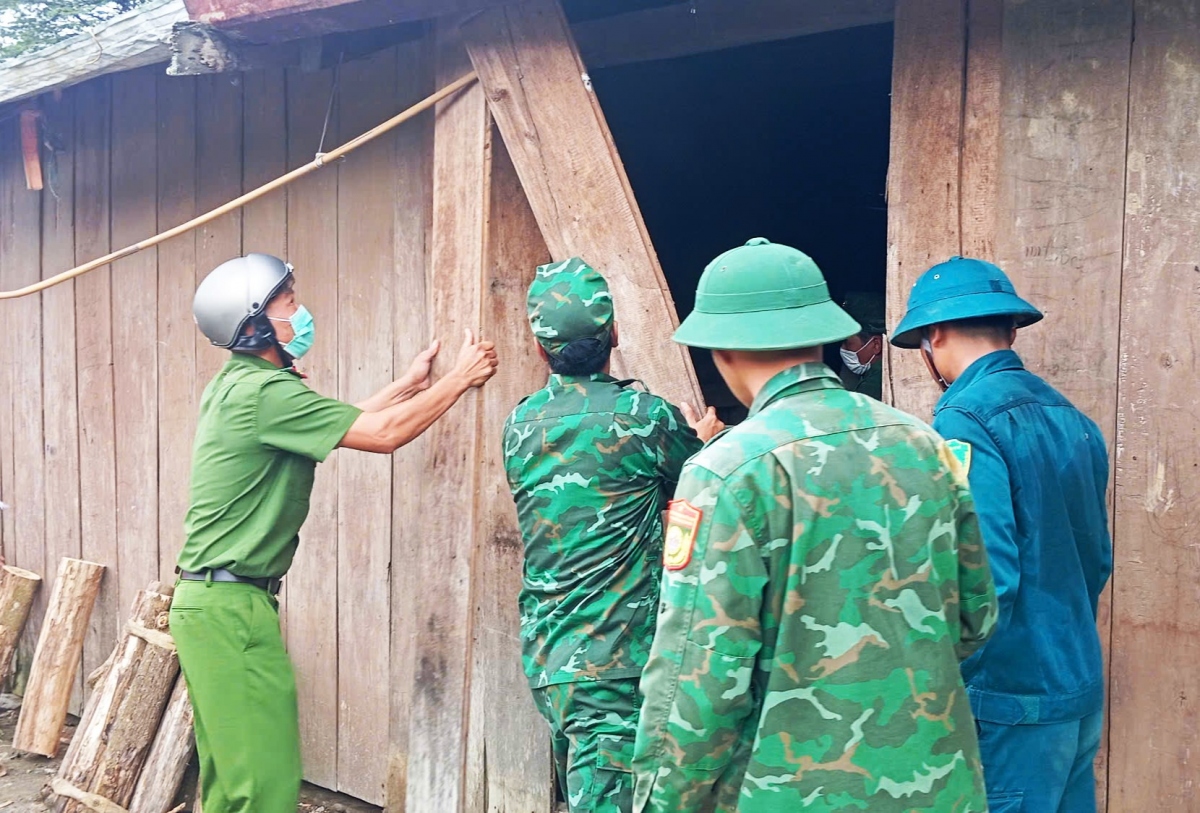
pixel 260 435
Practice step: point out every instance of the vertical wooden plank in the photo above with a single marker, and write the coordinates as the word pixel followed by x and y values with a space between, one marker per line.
pixel 218 180
pixel 366 242
pixel 312 600
pixel 135 330
pixel 509 764
pixel 410 324
pixel 177 404
pixel 94 354
pixel 1155 711
pixel 461 169
pixel 61 416
pixel 923 176
pixel 981 128
pixel 264 222
pixel 542 99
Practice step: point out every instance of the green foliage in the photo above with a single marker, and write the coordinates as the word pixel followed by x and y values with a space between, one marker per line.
pixel 26 25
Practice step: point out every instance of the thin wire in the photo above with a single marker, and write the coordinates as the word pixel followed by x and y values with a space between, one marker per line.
pixel 333 92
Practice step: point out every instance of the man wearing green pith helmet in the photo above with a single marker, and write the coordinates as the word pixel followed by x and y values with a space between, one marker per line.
pixel 591 462
pixel 823 577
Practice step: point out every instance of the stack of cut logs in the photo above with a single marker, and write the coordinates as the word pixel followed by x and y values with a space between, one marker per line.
pixel 134 741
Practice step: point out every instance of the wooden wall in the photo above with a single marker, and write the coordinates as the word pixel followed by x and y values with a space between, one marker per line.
pixel 1058 138
pixel 402 601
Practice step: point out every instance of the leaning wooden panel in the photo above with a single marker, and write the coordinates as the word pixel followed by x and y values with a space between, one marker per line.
pixel 410 332
pixel 509 764
pixel 923 177
pixel 1156 614
pixel 438 721
pixel 61 417
pixel 312 248
pixel 365 270
pixel 135 331
pixel 94 356
pixel 177 404
pixel 543 102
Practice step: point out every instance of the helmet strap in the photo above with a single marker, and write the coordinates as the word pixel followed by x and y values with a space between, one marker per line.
pixel 927 355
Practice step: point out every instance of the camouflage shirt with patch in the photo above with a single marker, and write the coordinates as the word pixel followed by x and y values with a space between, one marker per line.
pixel 591 463
pixel 807 653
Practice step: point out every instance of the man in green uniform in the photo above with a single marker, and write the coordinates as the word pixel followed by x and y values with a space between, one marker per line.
pixel 862 353
pixel 823 577
pixel 260 433
pixel 591 462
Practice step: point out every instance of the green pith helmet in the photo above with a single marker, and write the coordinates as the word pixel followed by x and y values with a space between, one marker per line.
pixel 569 301
pixel 867 309
pixel 763 296
pixel 960 288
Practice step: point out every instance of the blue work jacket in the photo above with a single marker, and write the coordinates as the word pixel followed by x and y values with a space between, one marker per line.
pixel 1038 469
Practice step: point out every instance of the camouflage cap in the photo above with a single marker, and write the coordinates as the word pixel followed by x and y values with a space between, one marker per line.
pixel 569 301
pixel 867 308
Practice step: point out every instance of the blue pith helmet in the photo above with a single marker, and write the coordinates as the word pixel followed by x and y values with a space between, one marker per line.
pixel 960 288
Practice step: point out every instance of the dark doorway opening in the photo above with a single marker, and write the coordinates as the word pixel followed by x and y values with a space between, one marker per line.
pixel 786 140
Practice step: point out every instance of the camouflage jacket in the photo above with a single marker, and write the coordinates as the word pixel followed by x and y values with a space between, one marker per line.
pixel 824 577
pixel 591 463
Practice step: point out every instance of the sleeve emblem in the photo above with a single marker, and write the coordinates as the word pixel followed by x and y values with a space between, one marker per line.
pixel 683 520
pixel 960 457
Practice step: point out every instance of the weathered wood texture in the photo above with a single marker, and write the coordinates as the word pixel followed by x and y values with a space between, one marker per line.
pixel 167 762
pixel 924 225
pixel 682 29
pixel 442 655
pixel 119 725
pixel 509 761
pixel 541 98
pixel 981 128
pixel 52 676
pixel 17 589
pixel 1155 721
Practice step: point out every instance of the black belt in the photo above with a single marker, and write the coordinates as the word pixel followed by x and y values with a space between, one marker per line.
pixel 222 575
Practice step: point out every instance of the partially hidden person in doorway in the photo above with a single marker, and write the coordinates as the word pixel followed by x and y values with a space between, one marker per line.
pixel 1039 470
pixel 862 353
pixel 591 462
pixel 823 577
pixel 260 433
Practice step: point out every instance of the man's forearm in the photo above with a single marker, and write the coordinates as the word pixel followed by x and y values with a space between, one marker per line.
pixel 397 392
pixel 406 420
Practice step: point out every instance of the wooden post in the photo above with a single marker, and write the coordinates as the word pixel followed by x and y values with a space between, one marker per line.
pixel 56 662
pixel 169 756
pixel 17 588
pixel 541 97
pixel 123 715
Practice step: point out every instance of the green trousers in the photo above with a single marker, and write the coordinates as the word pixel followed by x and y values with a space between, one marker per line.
pixel 243 693
pixel 593 725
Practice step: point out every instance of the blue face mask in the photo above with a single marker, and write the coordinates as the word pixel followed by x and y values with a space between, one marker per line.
pixel 304 329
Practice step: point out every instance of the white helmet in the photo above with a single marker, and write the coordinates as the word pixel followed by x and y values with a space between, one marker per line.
pixel 235 293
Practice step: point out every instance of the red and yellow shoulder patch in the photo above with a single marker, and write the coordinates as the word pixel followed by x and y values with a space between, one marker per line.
pixel 683 521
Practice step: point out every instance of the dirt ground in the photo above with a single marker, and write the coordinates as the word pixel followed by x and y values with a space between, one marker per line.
pixel 23 776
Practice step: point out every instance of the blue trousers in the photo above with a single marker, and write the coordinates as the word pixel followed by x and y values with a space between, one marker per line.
pixel 1043 768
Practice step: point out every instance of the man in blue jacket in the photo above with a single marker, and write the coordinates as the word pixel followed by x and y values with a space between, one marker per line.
pixel 1038 469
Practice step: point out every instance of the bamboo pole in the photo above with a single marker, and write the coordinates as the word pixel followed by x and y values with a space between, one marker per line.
pixel 321 160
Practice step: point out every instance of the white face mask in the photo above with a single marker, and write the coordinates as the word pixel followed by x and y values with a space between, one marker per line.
pixel 850 359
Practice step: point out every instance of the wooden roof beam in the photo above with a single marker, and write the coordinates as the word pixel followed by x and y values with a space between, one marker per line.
pixel 701 26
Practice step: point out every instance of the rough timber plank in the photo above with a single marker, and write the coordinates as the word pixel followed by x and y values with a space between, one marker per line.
pixel 564 154
pixel 509 764
pixel 312 631
pixel 135 331
pixel 438 722
pixel 923 177
pixel 682 29
pixel 366 242
pixel 61 416
pixel 20 217
pixel 981 128
pixel 410 330
pixel 264 158
pixel 94 356
pixel 1155 737
pixel 177 404
pixel 1060 190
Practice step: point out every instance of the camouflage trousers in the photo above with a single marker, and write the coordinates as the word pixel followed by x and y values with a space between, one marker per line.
pixel 593 725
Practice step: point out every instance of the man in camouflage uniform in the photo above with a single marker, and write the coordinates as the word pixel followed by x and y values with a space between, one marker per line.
pixel 862 353
pixel 823 578
pixel 591 462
